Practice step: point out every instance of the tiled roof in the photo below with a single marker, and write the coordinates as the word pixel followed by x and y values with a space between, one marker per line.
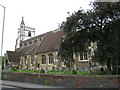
pixel 12 56
pixel 30 49
pixel 51 42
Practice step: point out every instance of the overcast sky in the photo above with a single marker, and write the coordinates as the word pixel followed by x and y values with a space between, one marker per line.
pixel 43 15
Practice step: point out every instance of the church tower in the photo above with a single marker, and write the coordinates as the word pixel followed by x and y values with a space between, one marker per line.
pixel 21 30
pixel 24 33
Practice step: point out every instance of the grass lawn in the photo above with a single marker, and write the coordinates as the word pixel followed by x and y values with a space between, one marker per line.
pixel 67 72
pixel 78 73
pixel 49 72
pixel 59 72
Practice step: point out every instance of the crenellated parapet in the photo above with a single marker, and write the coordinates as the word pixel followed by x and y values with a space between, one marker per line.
pixel 29 28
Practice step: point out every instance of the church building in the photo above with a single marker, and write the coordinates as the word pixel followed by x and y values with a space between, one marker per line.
pixel 41 52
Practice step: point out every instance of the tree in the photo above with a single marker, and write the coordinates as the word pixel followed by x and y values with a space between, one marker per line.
pixel 75 39
pixel 107 20
pixel 100 25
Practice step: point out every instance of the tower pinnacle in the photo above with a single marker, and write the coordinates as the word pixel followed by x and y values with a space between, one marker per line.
pixel 22 22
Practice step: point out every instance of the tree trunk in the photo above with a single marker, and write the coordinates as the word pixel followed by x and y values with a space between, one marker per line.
pixel 109 67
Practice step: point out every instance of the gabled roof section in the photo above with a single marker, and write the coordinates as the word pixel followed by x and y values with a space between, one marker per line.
pixel 27 49
pixel 51 42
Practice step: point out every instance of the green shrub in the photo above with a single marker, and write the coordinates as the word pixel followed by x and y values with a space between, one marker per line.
pixel 12 69
pixel 74 71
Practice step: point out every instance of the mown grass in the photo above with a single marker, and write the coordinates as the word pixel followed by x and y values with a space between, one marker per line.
pixel 60 72
pixel 68 72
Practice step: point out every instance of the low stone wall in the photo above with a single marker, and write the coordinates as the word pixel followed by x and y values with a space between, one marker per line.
pixel 71 81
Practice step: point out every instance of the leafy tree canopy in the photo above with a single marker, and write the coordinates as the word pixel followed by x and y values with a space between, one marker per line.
pixel 101 25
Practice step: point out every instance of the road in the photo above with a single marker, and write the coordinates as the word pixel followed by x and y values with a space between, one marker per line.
pixel 5 87
pixel 23 85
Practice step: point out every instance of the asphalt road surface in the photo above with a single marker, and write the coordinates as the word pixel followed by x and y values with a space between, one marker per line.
pixel 6 87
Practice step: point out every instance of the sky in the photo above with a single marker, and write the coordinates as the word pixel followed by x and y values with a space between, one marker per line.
pixel 43 15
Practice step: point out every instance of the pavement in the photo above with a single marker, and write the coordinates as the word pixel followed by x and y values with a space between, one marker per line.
pixel 25 85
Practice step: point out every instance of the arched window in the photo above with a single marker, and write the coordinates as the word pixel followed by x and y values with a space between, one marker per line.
pixel 43 59
pixel 26 61
pixel 51 58
pixel 29 34
pixel 33 60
